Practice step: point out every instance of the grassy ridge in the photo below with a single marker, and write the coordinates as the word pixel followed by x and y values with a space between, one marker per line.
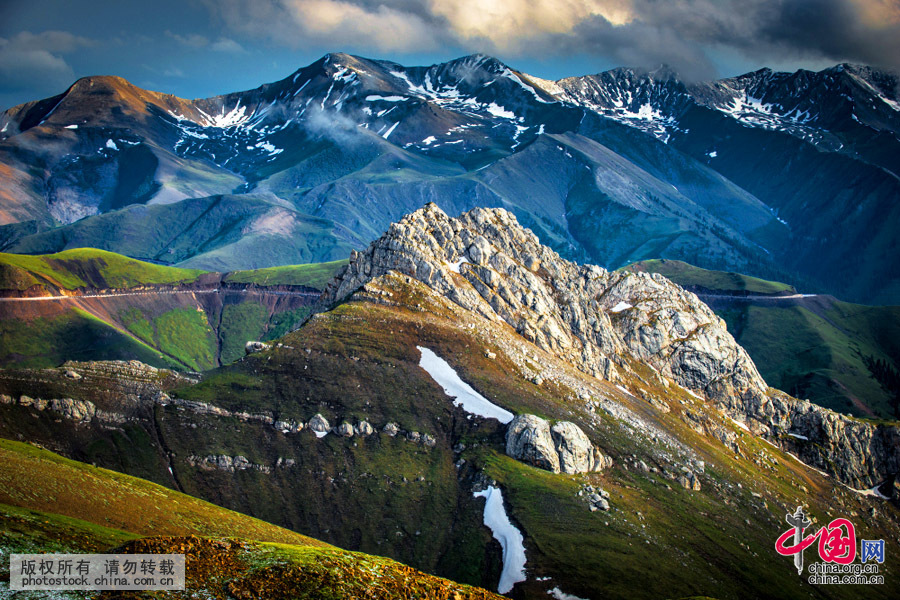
pixel 86 267
pixel 716 540
pixel 687 275
pixel 820 353
pixel 51 504
pixel 315 275
pixel 405 500
pixel 41 480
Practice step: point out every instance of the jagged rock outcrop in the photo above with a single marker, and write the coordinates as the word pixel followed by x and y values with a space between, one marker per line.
pixel 223 462
pixel 82 411
pixel 528 440
pixel 364 428
pixel 604 322
pixel 562 448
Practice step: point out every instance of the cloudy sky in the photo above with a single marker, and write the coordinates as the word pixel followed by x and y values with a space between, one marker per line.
pixel 195 48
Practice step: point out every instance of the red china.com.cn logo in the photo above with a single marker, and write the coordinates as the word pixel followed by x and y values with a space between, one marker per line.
pixel 837 551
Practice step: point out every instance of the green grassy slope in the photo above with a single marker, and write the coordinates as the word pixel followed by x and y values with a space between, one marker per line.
pixel 52 504
pixel 86 268
pixel 687 275
pixel 817 348
pixel 73 334
pixel 216 233
pixel 37 479
pixel 315 275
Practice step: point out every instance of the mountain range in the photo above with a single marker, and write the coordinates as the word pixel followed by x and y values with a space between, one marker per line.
pixel 442 315
pixel 791 176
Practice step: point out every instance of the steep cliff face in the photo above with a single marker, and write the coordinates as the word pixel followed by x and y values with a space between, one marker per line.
pixel 606 323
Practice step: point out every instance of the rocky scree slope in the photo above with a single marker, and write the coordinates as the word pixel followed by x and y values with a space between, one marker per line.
pixel 606 322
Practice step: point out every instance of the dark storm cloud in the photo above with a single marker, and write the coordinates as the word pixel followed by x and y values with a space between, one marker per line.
pixel 688 34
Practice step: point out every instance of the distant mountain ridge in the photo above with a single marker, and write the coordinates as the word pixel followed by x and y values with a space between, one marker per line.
pixel 792 176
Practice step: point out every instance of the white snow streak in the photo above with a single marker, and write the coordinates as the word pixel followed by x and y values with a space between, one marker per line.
pixel 375 97
pixel 499 111
pixel 471 401
pixel 872 492
pixel 741 425
pixel 391 130
pixel 509 537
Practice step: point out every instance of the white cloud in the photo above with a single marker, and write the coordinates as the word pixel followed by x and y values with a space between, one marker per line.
pixel 192 40
pixel 513 24
pixel 196 40
pixel 227 45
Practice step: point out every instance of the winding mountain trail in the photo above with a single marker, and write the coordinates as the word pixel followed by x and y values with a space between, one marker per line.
pixel 758 297
pixel 161 292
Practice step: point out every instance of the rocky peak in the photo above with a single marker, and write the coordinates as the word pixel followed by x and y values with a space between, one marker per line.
pixel 487 263
pixel 603 323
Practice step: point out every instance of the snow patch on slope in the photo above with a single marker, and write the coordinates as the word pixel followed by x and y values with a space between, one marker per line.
pixel 470 400
pixel 620 307
pixel 509 537
pixel 561 595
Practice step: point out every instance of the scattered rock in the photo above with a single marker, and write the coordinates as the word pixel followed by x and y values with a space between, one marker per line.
pixel 689 481
pixel 364 428
pixel 319 424
pixel 344 430
pixel 223 462
pixel 391 429
pixel 254 347
pixel 288 426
